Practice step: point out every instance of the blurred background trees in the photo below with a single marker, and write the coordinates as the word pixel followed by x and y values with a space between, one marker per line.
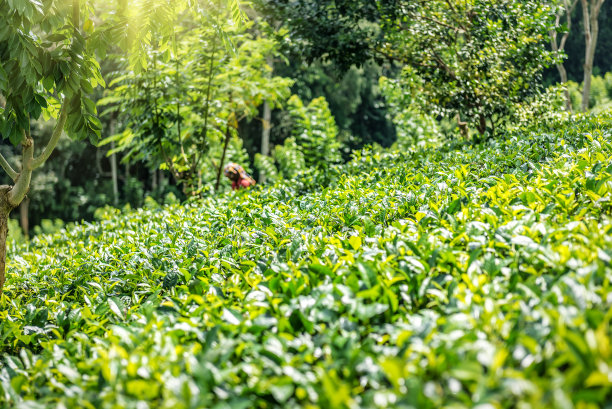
pixel 295 87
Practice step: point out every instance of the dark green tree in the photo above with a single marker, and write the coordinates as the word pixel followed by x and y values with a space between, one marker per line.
pixel 471 60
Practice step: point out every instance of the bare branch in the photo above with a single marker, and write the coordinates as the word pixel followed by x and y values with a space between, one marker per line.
pixel 568 11
pixel 57 132
pixel 7 168
pixel 22 183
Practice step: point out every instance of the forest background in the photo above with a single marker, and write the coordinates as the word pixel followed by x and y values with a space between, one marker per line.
pixel 318 110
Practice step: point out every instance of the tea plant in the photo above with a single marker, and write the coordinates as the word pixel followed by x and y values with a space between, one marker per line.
pixel 468 277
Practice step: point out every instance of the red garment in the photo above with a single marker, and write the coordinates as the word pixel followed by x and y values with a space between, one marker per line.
pixel 240 183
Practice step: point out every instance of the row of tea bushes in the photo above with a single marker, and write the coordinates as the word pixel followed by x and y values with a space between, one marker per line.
pixel 468 277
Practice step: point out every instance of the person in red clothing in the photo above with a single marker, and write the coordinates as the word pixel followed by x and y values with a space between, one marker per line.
pixel 236 173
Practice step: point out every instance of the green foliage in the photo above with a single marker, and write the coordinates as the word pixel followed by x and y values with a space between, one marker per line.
pixel 178 112
pixel 608 82
pixel 599 91
pixel 49 227
pixel 290 159
pixel 353 96
pixel 314 143
pixel 600 97
pixel 414 128
pixel 471 277
pixel 15 234
pixel 315 132
pixel 265 164
pixel 475 60
pixel 549 107
pixel 575 46
pixel 45 63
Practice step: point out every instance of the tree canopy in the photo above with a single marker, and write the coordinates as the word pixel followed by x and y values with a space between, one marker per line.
pixel 474 60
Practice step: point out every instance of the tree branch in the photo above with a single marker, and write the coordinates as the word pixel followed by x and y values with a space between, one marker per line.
pixel 22 183
pixel 446 68
pixel 450 5
pixel 57 133
pixel 169 163
pixel 7 168
pixel 441 23
pixel 569 10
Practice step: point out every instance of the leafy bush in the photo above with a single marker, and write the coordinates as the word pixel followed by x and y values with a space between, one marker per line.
pixel 413 127
pixel 15 234
pixel 600 98
pixel 49 226
pixel 314 143
pixel 608 82
pixel 473 277
pixel 599 92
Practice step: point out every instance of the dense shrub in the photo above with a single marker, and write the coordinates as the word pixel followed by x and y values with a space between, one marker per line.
pixel 475 277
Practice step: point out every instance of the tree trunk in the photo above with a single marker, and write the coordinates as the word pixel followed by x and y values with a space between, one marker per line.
pixel 113 163
pixel 228 135
pixel 154 180
pixel 591 31
pixel 24 217
pixel 563 75
pixel 567 10
pixel 482 124
pixel 265 137
pixel 5 210
pixel 267 123
pixel 161 179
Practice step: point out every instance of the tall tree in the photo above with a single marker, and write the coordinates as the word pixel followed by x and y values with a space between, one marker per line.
pixel 473 59
pixel 48 65
pixel 183 121
pixel 566 9
pixel 267 125
pixel 590 16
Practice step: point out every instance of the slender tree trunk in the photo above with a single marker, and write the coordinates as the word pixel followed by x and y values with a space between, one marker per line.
pixel 482 124
pixel 591 31
pixel 161 179
pixel 24 217
pixel 228 135
pixel 567 10
pixel 154 180
pixel 267 123
pixel 12 196
pixel 113 163
pixel 563 75
pixel 265 137
pixel 5 210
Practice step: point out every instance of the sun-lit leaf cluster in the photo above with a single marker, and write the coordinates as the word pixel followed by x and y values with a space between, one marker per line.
pixel 45 62
pixel 195 90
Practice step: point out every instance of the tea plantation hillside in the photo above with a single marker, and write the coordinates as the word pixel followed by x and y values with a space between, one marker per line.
pixel 473 277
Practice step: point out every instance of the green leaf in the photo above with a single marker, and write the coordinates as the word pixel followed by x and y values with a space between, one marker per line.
pixel 355 242
pixel 116 307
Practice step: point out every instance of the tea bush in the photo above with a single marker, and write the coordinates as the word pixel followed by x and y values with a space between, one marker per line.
pixel 477 276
